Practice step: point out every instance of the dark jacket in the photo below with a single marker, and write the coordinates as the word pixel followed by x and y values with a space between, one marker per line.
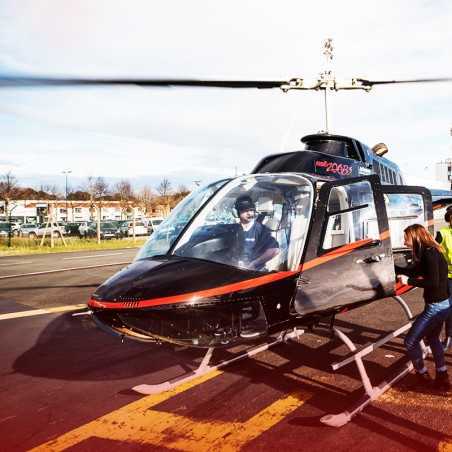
pixel 430 273
pixel 253 243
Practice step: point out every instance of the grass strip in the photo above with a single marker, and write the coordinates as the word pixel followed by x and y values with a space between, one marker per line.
pixel 24 246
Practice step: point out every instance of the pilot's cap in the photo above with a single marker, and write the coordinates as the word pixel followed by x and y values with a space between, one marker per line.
pixel 244 203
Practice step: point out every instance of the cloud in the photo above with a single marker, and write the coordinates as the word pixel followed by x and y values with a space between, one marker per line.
pixel 135 131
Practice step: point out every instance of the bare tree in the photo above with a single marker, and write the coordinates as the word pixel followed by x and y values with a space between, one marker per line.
pixel 51 190
pixel 126 196
pixel 180 193
pixel 97 188
pixel 164 189
pixel 8 191
pixel 146 200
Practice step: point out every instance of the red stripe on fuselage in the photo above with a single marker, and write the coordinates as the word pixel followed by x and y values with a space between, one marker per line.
pixel 234 287
pixel 193 296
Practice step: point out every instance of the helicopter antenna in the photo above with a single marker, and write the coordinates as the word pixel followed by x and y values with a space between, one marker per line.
pixel 327 75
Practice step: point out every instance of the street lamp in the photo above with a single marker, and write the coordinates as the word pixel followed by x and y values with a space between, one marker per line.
pixel 66 172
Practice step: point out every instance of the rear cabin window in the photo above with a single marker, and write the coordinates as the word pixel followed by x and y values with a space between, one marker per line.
pixel 404 209
pixel 351 215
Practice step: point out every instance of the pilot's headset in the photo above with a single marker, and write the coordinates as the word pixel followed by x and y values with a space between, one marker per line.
pixel 243 203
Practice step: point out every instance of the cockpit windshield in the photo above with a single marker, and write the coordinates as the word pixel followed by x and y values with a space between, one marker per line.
pixel 256 222
pixel 169 230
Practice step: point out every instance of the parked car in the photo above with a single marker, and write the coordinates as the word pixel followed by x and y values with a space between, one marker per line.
pixel 123 226
pixel 154 223
pixel 61 226
pixel 140 228
pixel 83 227
pixel 4 230
pixel 108 230
pixel 26 228
pixel 73 228
pixel 15 228
pixel 34 230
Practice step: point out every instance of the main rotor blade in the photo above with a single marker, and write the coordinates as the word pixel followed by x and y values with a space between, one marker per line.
pixel 18 82
pixel 395 82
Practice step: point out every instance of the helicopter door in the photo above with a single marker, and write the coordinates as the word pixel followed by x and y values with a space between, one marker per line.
pixel 406 205
pixel 349 258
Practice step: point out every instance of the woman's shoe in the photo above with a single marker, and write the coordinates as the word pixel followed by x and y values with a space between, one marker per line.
pixel 424 379
pixel 442 382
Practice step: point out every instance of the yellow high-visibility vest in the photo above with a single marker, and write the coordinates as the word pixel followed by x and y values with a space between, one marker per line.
pixel 446 245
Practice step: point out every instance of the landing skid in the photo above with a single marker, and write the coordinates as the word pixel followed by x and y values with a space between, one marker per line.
pixel 371 392
pixel 356 355
pixel 204 368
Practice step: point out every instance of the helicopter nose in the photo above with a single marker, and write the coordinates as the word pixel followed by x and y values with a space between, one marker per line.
pixel 151 282
pixel 127 282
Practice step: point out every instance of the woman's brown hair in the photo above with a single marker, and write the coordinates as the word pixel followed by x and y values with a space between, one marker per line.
pixel 420 239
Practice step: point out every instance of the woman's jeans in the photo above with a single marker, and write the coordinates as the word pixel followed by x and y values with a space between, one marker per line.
pixel 449 319
pixel 428 324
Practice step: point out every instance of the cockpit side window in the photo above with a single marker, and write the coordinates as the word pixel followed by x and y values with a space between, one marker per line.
pixel 351 215
pixel 352 152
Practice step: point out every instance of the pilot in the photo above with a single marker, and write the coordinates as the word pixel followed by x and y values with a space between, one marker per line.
pixel 255 245
pixel 444 238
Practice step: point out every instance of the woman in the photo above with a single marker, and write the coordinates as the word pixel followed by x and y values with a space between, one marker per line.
pixel 429 270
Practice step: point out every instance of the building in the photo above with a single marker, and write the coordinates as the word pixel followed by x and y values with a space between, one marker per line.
pixel 30 211
pixel 443 172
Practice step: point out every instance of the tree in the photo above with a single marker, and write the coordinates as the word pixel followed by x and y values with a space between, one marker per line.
pixel 125 194
pixel 181 192
pixel 50 191
pixel 164 189
pixel 146 200
pixel 97 187
pixel 78 195
pixel 8 192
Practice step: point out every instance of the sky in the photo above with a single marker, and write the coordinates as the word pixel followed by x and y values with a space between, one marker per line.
pixel 188 134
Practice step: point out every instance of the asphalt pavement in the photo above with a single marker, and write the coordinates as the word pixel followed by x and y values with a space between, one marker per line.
pixel 13 266
pixel 66 385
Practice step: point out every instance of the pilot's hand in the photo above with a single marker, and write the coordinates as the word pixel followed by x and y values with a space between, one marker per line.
pixel 402 279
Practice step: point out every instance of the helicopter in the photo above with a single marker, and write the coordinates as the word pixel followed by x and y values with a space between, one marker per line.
pixel 335 212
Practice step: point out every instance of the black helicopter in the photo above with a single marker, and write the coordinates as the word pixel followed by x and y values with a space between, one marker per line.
pixel 338 233
pixel 335 210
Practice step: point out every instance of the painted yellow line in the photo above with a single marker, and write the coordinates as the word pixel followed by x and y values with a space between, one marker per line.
pixel 417 399
pixel 33 312
pixel 445 446
pixel 192 435
pixel 139 424
pixel 130 421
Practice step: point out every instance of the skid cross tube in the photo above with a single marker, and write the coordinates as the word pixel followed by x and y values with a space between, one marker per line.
pixel 371 392
pixel 359 353
pixel 205 368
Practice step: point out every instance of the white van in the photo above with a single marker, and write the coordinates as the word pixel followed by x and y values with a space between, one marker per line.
pixel 140 228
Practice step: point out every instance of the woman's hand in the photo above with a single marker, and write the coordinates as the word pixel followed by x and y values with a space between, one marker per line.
pixel 402 279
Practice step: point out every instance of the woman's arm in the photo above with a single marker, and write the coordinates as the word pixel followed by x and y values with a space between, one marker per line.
pixel 408 271
pixel 430 262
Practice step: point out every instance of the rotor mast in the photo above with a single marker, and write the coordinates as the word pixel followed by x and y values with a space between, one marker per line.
pixel 327 75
